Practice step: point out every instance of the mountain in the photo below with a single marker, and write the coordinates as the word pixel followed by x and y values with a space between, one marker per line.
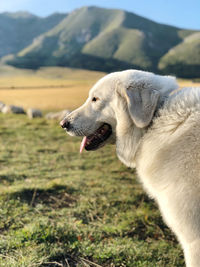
pixel 183 59
pixel 108 40
pixel 18 30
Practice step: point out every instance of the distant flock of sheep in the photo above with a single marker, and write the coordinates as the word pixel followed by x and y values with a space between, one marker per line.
pixel 32 112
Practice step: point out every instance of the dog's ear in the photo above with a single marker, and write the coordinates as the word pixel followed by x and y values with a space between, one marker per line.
pixel 142 103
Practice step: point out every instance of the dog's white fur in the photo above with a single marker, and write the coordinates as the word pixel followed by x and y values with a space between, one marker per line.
pixel 162 141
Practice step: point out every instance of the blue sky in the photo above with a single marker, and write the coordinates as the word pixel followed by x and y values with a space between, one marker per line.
pixel 181 13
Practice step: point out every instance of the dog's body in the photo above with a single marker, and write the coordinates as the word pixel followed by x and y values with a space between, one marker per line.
pixel 168 163
pixel 159 135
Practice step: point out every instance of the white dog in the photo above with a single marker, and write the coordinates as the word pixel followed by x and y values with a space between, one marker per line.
pixel 157 133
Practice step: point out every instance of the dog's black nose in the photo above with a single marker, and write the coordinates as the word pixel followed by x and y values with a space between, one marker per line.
pixel 65 124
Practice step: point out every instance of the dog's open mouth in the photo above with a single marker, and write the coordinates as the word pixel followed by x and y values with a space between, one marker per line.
pixel 97 139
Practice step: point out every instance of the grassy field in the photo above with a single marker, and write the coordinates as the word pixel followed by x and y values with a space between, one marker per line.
pixel 52 88
pixel 59 208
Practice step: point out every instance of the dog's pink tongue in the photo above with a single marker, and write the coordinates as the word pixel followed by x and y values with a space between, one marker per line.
pixel 83 143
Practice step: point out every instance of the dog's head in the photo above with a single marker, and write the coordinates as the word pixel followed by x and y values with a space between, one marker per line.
pixel 132 95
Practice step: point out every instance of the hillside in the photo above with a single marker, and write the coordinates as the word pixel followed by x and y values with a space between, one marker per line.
pixel 106 40
pixel 18 30
pixel 184 59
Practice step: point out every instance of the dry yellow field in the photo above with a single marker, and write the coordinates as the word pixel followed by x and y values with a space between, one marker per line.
pixel 52 88
pixel 188 83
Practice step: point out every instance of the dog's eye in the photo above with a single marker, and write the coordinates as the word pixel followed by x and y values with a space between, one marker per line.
pixel 94 99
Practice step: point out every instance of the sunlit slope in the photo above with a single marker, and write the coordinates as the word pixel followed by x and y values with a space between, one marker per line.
pixel 184 59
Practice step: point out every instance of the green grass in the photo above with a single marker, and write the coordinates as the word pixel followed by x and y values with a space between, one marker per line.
pixel 58 208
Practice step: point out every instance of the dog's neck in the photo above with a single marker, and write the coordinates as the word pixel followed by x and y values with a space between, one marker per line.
pixel 129 137
pixel 127 146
